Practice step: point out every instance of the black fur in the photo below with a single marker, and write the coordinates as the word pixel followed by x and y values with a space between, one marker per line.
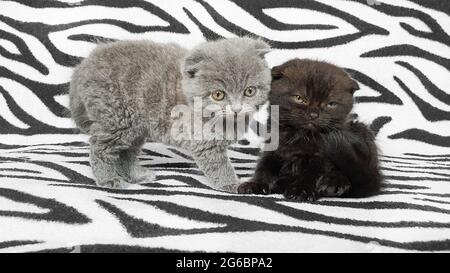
pixel 323 150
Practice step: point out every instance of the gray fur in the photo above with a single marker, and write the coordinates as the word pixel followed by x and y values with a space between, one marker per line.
pixel 123 93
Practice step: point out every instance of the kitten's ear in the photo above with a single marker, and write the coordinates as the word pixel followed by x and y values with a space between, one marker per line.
pixel 277 72
pixel 354 86
pixel 262 48
pixel 192 63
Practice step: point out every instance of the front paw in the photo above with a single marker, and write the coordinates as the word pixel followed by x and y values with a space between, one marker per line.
pixel 300 193
pixel 232 188
pixel 332 185
pixel 253 188
pixel 113 183
pixel 142 175
pixel 280 185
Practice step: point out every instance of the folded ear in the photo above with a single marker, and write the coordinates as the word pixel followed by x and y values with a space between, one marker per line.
pixel 354 86
pixel 277 72
pixel 192 63
pixel 262 48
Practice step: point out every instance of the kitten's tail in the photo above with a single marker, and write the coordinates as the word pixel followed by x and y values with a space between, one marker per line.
pixel 78 111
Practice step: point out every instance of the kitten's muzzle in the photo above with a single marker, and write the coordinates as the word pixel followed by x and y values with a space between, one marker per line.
pixel 236 108
pixel 313 115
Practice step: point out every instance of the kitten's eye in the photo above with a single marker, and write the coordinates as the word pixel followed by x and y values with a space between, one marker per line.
pixel 332 104
pixel 250 91
pixel 300 99
pixel 218 95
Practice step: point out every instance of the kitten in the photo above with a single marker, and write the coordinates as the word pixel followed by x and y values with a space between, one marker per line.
pixel 124 93
pixel 323 151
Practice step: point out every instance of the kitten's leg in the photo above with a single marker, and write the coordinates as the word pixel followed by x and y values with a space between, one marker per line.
pixel 266 172
pixel 354 154
pixel 369 180
pixel 113 155
pixel 212 160
pixel 106 164
pixel 138 174
pixel 332 184
pixel 301 186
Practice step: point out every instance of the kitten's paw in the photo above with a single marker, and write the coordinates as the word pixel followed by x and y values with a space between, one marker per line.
pixel 233 188
pixel 300 193
pixel 253 188
pixel 142 175
pixel 114 183
pixel 332 185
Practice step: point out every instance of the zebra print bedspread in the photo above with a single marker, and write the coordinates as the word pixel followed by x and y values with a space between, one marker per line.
pixel 399 51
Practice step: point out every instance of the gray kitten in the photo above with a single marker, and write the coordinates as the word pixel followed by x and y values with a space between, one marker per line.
pixel 124 93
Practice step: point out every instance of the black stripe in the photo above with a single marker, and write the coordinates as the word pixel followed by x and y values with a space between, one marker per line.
pixel 58 212
pixel 424 136
pixel 8 244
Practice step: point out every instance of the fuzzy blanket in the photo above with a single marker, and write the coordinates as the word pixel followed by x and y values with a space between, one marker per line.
pixel 398 51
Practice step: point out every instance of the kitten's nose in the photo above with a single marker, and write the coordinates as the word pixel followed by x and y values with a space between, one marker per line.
pixel 313 115
pixel 236 108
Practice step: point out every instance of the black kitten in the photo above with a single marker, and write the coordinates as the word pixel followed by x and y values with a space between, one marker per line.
pixel 323 151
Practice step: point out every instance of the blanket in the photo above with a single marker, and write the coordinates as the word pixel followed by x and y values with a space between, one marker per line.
pixel 398 51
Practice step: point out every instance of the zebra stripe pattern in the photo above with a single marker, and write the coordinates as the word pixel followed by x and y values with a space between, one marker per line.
pixel 398 51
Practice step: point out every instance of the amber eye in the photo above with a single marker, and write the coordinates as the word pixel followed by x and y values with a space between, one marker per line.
pixel 250 91
pixel 332 104
pixel 300 99
pixel 218 95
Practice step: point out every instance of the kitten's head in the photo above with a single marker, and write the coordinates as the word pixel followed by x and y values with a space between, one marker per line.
pixel 230 73
pixel 312 95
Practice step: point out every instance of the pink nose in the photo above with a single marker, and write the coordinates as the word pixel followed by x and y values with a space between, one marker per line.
pixel 236 108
